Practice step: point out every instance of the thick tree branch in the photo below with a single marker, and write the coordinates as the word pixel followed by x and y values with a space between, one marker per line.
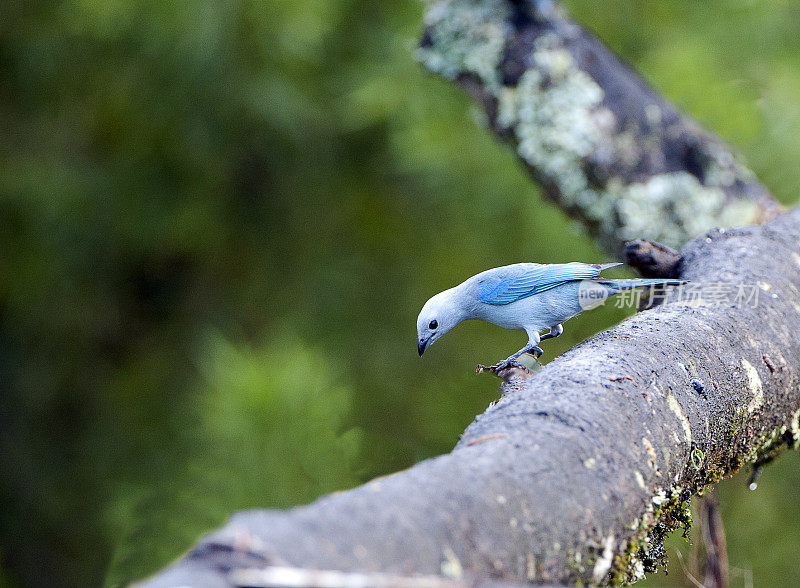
pixel 578 471
pixel 604 146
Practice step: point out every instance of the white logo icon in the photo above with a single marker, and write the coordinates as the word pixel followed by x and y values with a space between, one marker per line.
pixel 591 294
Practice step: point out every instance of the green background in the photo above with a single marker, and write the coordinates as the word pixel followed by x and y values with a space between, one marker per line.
pixel 218 222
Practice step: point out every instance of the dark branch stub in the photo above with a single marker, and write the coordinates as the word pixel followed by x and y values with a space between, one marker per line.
pixel 715 570
pixel 653 260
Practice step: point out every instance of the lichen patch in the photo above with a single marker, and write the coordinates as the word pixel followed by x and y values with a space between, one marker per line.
pixel 794 427
pixel 651 453
pixel 603 563
pixel 675 407
pixel 466 36
pixel 639 479
pixel 451 565
pixel 755 385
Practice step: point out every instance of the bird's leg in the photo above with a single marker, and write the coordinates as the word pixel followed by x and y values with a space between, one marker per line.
pixel 554 332
pixel 511 360
pixel 537 351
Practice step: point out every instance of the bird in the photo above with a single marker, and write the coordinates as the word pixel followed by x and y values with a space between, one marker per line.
pixel 524 296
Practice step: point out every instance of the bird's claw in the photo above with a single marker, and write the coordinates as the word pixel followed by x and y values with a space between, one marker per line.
pixel 500 366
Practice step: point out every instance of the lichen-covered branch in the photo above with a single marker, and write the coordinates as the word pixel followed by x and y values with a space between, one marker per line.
pixel 579 470
pixel 604 145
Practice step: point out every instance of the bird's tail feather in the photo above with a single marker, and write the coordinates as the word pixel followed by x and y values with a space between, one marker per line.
pixel 639 283
pixel 605 266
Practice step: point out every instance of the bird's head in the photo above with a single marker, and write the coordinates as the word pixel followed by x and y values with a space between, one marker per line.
pixel 440 314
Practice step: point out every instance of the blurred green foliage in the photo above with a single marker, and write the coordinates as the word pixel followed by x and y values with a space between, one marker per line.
pixel 218 221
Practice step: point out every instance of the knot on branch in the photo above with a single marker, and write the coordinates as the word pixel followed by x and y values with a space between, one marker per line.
pixel 653 260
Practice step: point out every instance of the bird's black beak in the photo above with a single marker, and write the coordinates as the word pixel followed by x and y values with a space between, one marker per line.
pixel 422 345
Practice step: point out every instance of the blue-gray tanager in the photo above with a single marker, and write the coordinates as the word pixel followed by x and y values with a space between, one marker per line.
pixel 526 296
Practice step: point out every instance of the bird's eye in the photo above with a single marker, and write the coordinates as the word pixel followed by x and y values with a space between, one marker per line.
pixel 433 325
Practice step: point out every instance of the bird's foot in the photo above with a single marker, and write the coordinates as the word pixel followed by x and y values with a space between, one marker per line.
pixel 536 352
pixel 500 366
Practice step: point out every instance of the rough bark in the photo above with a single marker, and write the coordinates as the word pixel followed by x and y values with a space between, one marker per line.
pixel 604 145
pixel 578 471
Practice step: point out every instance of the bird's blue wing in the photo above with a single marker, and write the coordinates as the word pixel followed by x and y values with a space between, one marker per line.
pixel 534 281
